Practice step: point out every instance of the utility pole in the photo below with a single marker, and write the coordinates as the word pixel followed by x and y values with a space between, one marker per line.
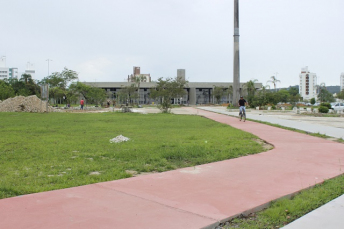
pixel 236 57
pixel 48 65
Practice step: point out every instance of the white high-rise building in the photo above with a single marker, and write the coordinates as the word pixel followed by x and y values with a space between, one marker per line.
pixel 308 82
pixel 13 73
pixel 4 71
pixel 342 81
pixel 30 70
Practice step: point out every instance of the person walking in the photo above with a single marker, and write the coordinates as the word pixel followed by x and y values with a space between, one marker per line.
pixel 82 104
pixel 242 103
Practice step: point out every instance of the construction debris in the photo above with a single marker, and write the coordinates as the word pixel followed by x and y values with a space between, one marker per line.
pixel 25 104
pixel 119 139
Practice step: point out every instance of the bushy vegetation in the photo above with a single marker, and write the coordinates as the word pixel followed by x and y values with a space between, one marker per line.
pixel 166 90
pixel 324 95
pixel 328 105
pixel 323 109
pixel 264 97
pixel 41 152
pixel 312 101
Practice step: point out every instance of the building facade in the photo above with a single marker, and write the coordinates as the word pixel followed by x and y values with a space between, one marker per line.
pixel 196 92
pixel 137 73
pixel 4 71
pixel 30 70
pixel 14 73
pixel 308 84
pixel 342 81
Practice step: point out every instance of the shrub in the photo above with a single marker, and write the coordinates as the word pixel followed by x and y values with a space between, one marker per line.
pixel 328 105
pixel 312 101
pixel 323 109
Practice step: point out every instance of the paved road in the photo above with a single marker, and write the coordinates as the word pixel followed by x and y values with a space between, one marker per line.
pixel 331 126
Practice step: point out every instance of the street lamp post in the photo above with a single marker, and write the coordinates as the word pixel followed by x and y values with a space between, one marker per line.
pixel 48 65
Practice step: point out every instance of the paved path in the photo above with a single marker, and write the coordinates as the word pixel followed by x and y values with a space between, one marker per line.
pixel 196 197
pixel 334 127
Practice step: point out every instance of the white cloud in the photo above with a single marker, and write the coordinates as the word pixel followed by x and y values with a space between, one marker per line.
pixel 93 70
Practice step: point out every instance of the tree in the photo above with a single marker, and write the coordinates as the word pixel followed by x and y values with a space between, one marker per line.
pixel 283 95
pixel 166 90
pixel 81 88
pixel 26 78
pixel 293 91
pixel 340 95
pixel 138 79
pixel 56 92
pixel 312 101
pixel 250 88
pixel 218 93
pixel 91 94
pixel 324 95
pixel 6 91
pixel 97 95
pixel 128 94
pixel 59 81
pixel 260 99
pixel 230 92
pixel 27 86
pixel 274 81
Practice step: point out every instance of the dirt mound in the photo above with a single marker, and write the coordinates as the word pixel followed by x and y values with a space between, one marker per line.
pixel 24 104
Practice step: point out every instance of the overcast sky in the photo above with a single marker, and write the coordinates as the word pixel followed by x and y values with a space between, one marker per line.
pixel 103 39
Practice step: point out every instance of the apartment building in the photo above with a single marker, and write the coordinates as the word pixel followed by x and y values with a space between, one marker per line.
pixel 308 84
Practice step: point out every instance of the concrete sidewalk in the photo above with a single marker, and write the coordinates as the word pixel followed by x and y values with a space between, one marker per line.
pixel 310 124
pixel 195 197
pixel 328 216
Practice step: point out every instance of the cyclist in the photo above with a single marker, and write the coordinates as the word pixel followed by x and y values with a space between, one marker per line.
pixel 242 103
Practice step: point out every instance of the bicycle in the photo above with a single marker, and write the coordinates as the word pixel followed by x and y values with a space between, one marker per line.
pixel 242 114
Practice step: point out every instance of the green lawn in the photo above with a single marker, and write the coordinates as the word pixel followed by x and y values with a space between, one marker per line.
pixel 40 152
pixel 284 211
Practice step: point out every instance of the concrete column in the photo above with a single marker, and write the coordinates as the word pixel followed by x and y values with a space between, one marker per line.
pixel 192 96
pixel 236 57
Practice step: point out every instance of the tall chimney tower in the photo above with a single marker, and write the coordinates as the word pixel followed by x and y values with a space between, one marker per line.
pixel 236 57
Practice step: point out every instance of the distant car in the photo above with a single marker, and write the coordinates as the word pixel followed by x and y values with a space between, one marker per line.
pixel 338 107
pixel 316 104
pixel 308 104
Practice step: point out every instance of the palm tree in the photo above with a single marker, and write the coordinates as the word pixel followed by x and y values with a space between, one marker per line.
pixel 25 77
pixel 250 88
pixel 230 93
pixel 273 80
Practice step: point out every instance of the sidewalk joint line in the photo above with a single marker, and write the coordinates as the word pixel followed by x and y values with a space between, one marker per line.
pixel 153 201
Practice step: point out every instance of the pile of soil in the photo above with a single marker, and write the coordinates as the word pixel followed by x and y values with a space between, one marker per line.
pixel 24 104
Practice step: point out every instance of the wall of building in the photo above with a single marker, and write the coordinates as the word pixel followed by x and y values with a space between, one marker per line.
pixel 308 83
pixel 4 73
pixel 137 73
pixel 197 92
pixel 14 73
pixel 342 81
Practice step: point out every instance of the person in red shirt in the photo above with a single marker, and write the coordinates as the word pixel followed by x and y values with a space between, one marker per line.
pixel 82 104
